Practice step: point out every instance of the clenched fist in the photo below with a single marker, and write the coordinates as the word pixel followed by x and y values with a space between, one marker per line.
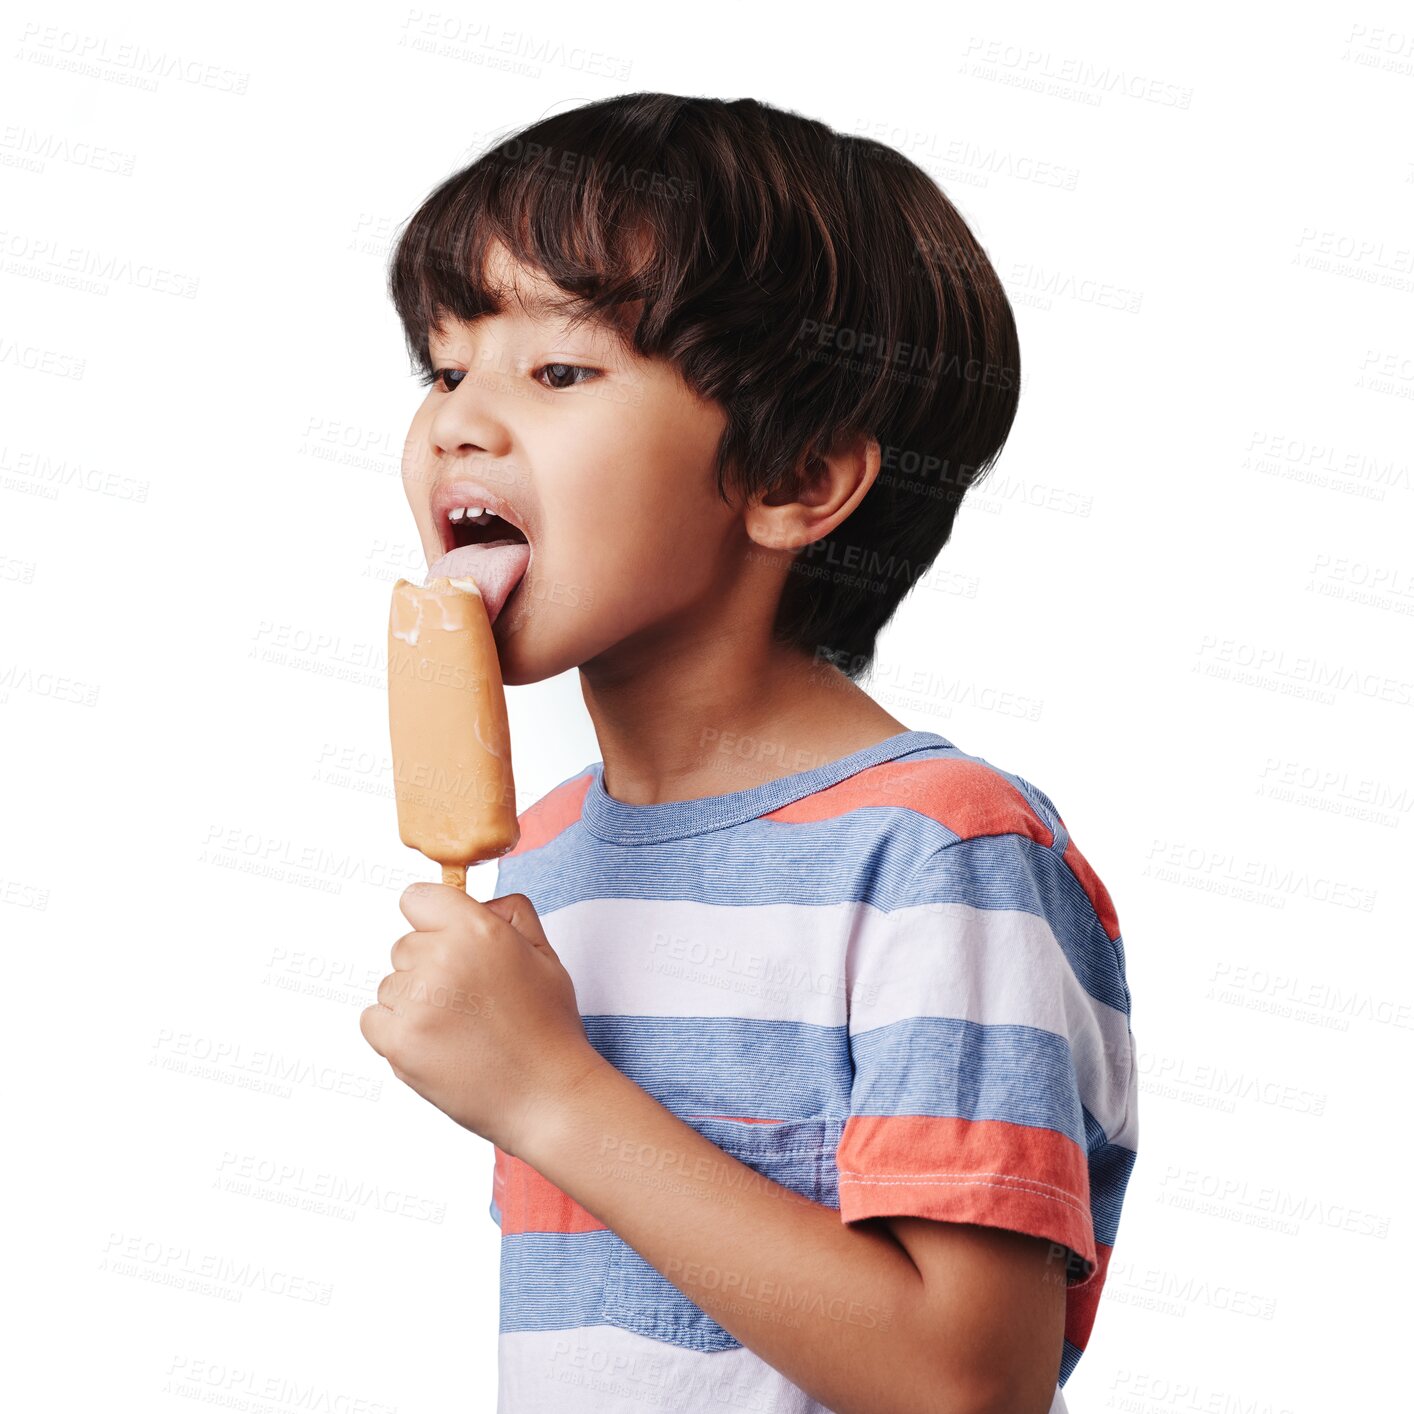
pixel 479 1015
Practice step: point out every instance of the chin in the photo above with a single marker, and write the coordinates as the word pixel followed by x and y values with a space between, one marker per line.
pixel 521 664
pixel 534 652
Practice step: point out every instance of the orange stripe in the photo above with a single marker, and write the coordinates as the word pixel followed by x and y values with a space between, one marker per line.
pixel 1095 891
pixel 529 1202
pixel 967 797
pixel 551 815
pixel 1015 1176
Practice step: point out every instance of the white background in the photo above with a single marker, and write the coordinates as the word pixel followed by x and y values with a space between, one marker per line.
pixel 1180 605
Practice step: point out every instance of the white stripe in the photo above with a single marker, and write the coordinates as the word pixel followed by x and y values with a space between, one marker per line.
pixel 606 1370
pixel 677 957
pixel 993 966
pixel 1127 1130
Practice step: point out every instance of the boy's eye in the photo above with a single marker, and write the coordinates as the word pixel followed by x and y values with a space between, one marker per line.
pixel 438 374
pixel 560 373
pixel 561 370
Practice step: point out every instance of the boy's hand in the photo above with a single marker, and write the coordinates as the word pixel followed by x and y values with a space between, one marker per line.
pixel 479 1015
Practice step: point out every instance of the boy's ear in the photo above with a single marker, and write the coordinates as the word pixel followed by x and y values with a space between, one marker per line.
pixel 826 489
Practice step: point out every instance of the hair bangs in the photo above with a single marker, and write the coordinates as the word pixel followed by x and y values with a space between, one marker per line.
pixel 593 236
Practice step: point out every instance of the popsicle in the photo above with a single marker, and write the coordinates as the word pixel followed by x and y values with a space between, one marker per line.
pixel 447 718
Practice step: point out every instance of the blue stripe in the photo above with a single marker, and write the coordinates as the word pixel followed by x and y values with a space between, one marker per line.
pixel 1110 1168
pixel 871 852
pixel 567 1281
pixel 553 1281
pixel 936 1065
pixel 730 1065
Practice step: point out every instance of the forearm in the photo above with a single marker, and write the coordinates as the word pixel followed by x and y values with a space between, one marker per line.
pixel 839 1311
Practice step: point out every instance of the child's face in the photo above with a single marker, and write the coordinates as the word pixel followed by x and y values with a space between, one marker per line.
pixel 609 473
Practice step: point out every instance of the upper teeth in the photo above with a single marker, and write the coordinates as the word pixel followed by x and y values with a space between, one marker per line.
pixel 470 512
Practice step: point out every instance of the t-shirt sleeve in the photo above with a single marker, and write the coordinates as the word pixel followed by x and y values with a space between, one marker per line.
pixel 992 1055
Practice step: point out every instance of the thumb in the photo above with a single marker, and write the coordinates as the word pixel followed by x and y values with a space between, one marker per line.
pixel 519 912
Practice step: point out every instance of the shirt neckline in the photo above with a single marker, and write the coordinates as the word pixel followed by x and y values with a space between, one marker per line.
pixel 616 822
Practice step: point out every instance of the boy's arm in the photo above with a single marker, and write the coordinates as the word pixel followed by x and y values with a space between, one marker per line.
pixel 888 1316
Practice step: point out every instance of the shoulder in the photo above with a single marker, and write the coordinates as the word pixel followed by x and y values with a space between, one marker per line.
pixel 962 795
pixel 997 825
pixel 999 860
pixel 554 813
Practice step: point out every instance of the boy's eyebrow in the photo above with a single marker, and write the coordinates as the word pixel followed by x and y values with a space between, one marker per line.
pixel 536 306
pixel 540 307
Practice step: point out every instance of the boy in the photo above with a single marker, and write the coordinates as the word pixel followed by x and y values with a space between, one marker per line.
pixel 803 1039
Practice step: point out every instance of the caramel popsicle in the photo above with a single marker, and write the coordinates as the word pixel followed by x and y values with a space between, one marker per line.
pixel 450 733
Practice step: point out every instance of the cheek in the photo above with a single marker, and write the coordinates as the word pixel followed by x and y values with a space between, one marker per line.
pixel 412 472
pixel 422 517
pixel 417 477
pixel 630 566
pixel 588 557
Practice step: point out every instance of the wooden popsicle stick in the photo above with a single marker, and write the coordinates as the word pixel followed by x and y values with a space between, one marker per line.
pixel 455 875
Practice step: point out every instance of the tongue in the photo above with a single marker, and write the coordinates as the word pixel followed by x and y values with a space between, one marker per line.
pixel 496 569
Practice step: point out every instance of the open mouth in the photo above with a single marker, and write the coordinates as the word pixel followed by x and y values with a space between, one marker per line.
pixel 462 528
pixel 481 545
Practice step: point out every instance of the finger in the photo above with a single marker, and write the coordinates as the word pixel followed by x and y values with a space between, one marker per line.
pixel 409 950
pixel 431 906
pixel 392 991
pixel 373 1022
pixel 519 912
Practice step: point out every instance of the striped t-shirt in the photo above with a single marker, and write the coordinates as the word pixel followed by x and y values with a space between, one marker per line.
pixel 891 983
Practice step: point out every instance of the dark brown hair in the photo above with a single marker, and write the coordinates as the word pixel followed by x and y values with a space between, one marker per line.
pixel 815 284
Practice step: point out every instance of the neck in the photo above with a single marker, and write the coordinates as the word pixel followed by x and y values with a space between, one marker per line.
pixel 720 714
